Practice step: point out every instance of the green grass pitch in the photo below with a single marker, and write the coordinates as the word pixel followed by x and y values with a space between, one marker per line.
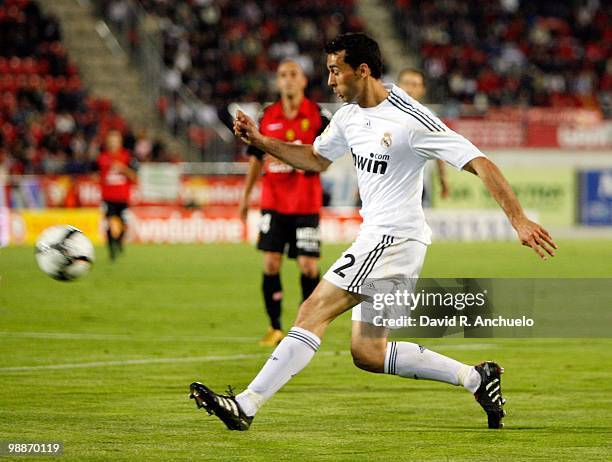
pixel 127 340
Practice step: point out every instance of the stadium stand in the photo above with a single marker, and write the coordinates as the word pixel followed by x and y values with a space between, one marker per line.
pixel 511 52
pixel 49 122
pixel 228 50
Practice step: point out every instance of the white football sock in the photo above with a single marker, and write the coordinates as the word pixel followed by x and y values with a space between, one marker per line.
pixel 411 360
pixel 291 355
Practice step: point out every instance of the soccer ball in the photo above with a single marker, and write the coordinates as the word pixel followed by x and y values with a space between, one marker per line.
pixel 64 252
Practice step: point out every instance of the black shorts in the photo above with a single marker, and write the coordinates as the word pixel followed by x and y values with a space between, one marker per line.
pixel 114 209
pixel 295 234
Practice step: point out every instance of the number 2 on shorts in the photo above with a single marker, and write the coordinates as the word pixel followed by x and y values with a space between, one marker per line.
pixel 351 262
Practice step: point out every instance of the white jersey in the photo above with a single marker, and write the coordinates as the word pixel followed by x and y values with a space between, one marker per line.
pixel 390 144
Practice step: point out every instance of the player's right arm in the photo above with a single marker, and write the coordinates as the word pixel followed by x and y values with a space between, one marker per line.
pixel 442 176
pixel 301 156
pixel 255 166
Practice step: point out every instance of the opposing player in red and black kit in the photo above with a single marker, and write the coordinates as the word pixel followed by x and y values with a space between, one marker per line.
pixel 117 173
pixel 291 199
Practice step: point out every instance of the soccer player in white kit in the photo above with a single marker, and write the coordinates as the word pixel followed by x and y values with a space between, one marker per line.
pixel 390 136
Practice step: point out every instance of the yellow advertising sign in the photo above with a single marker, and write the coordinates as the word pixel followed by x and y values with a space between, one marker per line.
pixel 27 224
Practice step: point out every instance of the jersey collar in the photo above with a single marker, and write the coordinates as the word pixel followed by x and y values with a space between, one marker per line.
pixel 301 112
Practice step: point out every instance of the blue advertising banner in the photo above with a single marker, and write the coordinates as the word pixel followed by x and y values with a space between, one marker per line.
pixel 596 197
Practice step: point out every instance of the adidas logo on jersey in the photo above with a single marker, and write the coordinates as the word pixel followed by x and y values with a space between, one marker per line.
pixel 375 163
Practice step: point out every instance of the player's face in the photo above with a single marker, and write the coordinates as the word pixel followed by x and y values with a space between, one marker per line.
pixel 345 81
pixel 114 141
pixel 412 84
pixel 290 79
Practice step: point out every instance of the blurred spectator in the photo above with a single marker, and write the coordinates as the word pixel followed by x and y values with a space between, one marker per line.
pixel 143 146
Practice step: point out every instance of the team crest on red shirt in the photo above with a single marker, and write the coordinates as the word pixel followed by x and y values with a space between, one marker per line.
pixel 305 124
pixel 290 135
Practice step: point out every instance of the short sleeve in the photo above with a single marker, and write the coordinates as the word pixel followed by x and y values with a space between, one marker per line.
pixel 447 145
pixel 331 144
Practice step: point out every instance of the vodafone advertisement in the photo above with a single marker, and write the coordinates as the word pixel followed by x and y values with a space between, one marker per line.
pixel 175 225
pixel 169 225
pixel 166 225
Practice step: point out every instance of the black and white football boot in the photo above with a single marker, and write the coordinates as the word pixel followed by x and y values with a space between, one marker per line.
pixel 489 394
pixel 225 407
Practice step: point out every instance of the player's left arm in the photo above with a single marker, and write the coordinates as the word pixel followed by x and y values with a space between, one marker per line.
pixel 127 170
pixel 530 234
pixel 126 167
pixel 132 170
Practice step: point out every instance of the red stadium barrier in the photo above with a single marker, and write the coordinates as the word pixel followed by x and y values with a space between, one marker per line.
pixel 537 128
pixel 69 191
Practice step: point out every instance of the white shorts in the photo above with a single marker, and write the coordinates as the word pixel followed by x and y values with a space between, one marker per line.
pixel 376 264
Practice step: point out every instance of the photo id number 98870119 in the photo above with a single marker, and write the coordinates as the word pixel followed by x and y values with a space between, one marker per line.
pixel 31 448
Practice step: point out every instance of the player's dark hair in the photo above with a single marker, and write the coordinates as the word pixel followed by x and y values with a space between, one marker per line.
pixel 360 49
pixel 411 70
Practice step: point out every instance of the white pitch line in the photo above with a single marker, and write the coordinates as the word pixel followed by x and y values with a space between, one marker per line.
pixel 184 338
pixel 192 359
pixel 136 362
pixel 64 335
pixel 92 336
pixel 128 362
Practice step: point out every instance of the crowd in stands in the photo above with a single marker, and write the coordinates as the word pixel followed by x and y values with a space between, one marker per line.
pixel 49 123
pixel 227 50
pixel 512 52
pixel 488 53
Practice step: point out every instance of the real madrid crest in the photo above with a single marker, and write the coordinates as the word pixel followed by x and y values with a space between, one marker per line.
pixel 386 142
